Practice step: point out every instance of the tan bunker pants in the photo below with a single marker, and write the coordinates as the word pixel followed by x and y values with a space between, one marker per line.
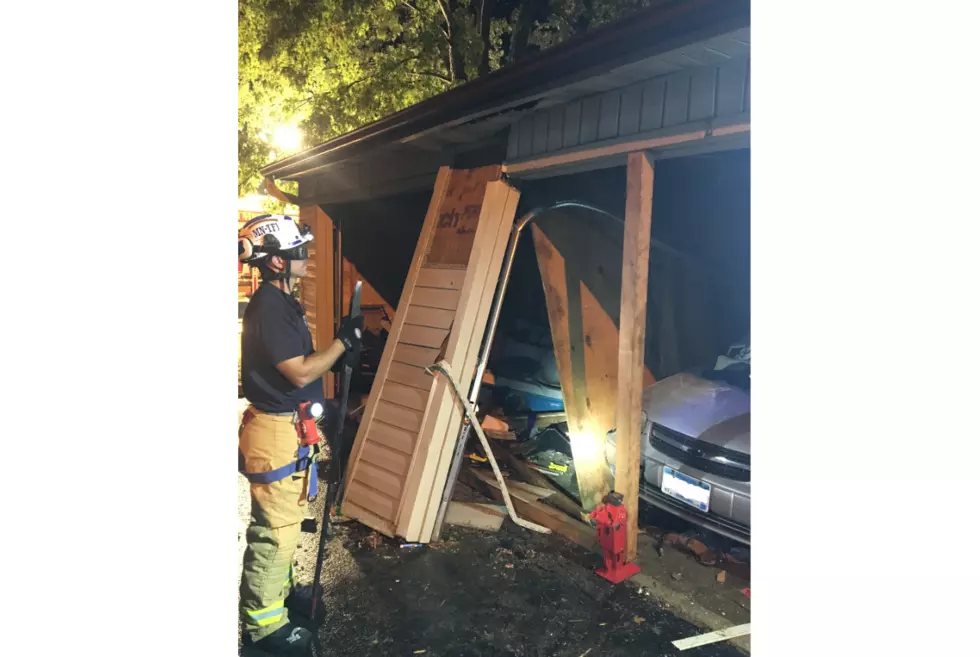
pixel 269 442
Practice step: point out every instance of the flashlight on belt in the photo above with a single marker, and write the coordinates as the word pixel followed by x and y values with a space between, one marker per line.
pixel 309 413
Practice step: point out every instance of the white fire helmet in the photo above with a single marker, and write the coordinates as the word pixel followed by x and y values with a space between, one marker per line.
pixel 273 234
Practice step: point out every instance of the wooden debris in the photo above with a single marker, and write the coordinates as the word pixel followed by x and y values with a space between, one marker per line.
pixel 497 428
pixel 527 506
pixel 473 514
pixel 373 540
pixel 712 637
pixel 701 552
pixel 500 435
pixel 526 473
pixel 491 423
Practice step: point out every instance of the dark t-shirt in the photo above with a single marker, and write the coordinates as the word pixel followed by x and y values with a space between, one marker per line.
pixel 274 330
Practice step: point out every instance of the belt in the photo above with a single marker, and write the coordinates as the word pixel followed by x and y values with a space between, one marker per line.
pixel 306 459
pixel 261 412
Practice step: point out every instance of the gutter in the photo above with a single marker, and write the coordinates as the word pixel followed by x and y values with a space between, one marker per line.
pixel 667 26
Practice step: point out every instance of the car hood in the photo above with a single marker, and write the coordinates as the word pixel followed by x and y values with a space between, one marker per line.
pixel 710 411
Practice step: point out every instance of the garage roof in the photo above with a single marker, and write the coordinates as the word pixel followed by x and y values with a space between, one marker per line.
pixel 670 36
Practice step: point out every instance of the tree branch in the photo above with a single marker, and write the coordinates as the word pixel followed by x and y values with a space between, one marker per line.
pixel 433 74
pixel 486 11
pixel 445 14
pixel 378 70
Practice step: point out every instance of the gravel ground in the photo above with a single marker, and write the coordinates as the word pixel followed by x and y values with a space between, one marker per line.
pixel 507 593
pixel 511 592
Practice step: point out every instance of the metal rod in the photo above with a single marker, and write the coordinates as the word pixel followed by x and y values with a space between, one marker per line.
pixel 470 412
pixel 481 365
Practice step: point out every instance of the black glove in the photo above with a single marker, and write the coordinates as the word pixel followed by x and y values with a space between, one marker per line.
pixel 350 333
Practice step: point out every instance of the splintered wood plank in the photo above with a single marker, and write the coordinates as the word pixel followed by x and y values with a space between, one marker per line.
pixel 413 355
pixel 436 298
pixel 410 375
pixel 448 279
pixel 481 516
pixel 374 501
pixel 387 459
pixel 431 317
pixel 600 351
pixel 398 416
pixel 529 508
pixel 581 273
pixel 632 337
pixel 564 313
pixel 393 437
pixel 404 395
pixel 422 336
pixel 380 480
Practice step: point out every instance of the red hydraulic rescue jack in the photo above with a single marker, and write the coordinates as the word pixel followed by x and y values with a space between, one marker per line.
pixel 609 520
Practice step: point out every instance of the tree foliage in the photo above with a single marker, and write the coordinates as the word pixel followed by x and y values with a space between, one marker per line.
pixel 331 66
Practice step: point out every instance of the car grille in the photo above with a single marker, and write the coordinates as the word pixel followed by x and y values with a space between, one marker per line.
pixel 703 456
pixel 720 524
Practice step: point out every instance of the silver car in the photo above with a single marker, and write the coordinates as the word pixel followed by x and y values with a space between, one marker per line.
pixel 695 453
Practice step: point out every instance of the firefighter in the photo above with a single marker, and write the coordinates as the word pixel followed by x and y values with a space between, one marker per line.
pixel 279 370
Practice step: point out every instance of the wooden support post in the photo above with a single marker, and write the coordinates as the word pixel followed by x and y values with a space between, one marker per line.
pixel 317 291
pixel 632 335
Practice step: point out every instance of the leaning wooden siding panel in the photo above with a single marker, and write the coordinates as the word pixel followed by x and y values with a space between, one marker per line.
pixel 505 204
pixel 399 452
pixel 443 417
pixel 370 507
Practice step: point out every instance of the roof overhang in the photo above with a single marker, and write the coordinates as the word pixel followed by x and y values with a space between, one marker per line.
pixel 656 39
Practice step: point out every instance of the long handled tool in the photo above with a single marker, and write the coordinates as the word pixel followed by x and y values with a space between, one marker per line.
pixel 441 367
pixel 338 461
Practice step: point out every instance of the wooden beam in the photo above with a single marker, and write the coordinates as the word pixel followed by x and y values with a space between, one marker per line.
pixel 565 319
pixel 632 337
pixel 667 138
pixel 580 272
